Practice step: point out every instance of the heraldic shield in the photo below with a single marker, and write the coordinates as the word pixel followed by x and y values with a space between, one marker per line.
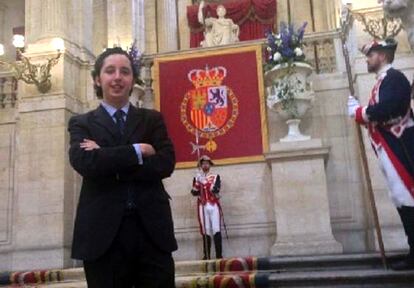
pixel 210 109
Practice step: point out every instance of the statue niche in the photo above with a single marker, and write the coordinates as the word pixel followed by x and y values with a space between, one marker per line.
pixel 218 31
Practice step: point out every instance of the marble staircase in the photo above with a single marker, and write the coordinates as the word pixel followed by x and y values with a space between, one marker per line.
pixel 344 271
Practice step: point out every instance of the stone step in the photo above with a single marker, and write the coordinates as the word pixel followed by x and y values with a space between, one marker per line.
pixel 344 279
pixel 351 271
pixel 340 279
pixel 327 262
pixel 284 264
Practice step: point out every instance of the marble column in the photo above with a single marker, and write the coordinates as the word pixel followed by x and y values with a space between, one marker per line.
pixel 46 185
pixel 298 16
pixel 151 40
pixel 301 207
pixel 42 23
pixel 11 16
pixel 167 30
pixel 183 28
pixel 138 27
pixel 100 26
pixel 120 23
pixel 323 13
pixel 282 11
pixel 320 14
pixel 2 18
pixel 126 23
pixel 333 12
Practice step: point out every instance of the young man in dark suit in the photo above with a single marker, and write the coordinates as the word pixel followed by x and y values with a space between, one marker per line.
pixel 123 228
pixel 390 124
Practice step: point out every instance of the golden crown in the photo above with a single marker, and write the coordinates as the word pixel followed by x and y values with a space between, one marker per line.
pixel 207 77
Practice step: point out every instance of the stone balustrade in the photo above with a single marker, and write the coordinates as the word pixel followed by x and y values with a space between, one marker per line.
pixel 8 90
pixel 323 51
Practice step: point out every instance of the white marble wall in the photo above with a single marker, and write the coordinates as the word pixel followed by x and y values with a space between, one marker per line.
pixel 247 206
pixel 7 180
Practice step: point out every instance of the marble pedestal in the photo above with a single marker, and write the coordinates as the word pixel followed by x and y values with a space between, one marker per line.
pixel 301 204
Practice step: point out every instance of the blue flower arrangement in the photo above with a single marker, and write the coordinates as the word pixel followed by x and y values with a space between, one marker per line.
pixel 286 46
pixel 136 56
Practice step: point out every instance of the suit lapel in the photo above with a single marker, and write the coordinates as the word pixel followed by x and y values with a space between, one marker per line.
pixel 134 118
pixel 103 119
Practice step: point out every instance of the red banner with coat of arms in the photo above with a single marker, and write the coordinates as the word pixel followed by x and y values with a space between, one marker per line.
pixel 213 104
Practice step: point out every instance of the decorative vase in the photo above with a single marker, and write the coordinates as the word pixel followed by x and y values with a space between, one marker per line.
pixel 290 95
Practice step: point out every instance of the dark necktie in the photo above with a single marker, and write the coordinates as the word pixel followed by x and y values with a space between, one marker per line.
pixel 120 122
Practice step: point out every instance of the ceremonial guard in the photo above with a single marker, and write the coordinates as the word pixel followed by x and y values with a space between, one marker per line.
pixel 206 186
pixel 389 120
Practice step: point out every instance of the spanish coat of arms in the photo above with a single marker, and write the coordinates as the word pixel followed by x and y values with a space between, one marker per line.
pixel 210 109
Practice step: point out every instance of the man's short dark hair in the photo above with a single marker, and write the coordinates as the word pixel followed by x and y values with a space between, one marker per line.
pixel 389 55
pixel 100 62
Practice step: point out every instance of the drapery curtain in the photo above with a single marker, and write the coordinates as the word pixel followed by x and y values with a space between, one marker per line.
pixel 254 18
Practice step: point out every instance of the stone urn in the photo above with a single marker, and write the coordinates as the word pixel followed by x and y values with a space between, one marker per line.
pixel 290 95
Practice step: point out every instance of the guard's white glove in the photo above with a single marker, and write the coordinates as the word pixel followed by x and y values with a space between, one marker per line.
pixel 200 178
pixel 353 105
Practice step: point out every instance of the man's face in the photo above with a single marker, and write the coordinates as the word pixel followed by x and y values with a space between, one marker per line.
pixel 115 79
pixel 205 165
pixel 375 60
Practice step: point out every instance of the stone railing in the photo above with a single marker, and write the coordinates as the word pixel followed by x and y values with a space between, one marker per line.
pixel 323 51
pixel 8 90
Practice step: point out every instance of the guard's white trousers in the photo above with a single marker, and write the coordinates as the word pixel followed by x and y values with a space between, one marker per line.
pixel 211 216
pixel 398 192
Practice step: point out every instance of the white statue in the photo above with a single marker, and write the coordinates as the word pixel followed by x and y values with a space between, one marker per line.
pixel 403 9
pixel 218 31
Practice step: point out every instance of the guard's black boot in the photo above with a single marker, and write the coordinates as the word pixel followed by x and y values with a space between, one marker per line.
pixel 206 245
pixel 407 218
pixel 217 245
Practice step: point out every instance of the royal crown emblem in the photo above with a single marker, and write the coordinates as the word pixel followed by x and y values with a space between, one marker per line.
pixel 210 109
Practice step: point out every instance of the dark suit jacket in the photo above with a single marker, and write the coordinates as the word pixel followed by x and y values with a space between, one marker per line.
pixel 111 172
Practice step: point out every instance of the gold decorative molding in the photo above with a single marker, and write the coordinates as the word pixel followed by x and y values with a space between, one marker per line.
pixel 377 24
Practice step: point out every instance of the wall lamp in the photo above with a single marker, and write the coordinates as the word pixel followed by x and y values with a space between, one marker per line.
pixel 37 74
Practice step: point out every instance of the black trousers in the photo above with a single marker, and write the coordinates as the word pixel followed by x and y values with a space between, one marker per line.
pixel 131 261
pixel 407 218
